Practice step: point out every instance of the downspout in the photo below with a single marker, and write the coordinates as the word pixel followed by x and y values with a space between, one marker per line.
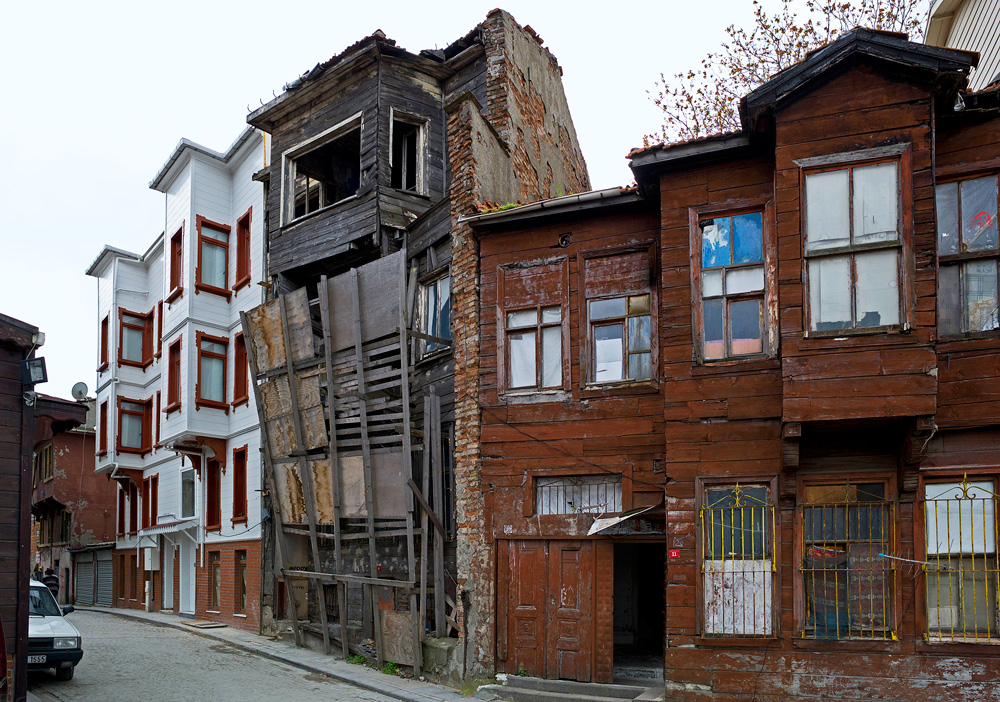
pixel 204 509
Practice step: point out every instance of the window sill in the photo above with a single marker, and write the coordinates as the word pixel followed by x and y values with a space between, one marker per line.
pixel 619 387
pixel 172 407
pixel 312 215
pixel 103 367
pixel 101 454
pixel 174 294
pixel 245 400
pixel 432 357
pixel 136 451
pixel 845 644
pixel 239 520
pixel 135 364
pixel 213 527
pixel 969 336
pixel 863 331
pixel 241 616
pixel 213 611
pixel 211 404
pixel 744 641
pixel 935 645
pixel 241 283
pixel 743 364
pixel 221 292
pixel 528 397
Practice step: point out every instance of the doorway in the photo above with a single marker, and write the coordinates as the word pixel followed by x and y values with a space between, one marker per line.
pixel 639 605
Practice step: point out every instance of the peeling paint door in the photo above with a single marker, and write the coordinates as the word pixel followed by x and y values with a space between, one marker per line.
pixel 569 643
pixel 526 566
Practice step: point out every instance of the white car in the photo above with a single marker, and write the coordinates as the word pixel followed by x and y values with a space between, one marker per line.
pixel 52 641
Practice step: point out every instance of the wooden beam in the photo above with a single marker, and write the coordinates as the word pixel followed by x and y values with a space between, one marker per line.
pixel 437 480
pixel 426 507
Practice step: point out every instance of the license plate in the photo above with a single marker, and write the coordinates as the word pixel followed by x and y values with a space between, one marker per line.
pixel 37 659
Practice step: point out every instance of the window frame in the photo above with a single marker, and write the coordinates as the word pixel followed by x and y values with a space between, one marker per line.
pixel 194 492
pixel 702 486
pixel 199 286
pixel 102 418
pixel 243 260
pixel 241 372
pixel 213 495
pixel 286 208
pixel 432 279
pixel 147 444
pixel 176 278
pixel 43 460
pixel 901 154
pixel 530 493
pixel 960 258
pixel 240 484
pixel 122 511
pixel 200 401
pixel 215 582
pixel 105 337
pixel 133 507
pixel 889 479
pixel 770 334
pixel 147 337
pixel 240 584
pixel 159 330
pixel 420 182
pixel 174 376
pixel 150 500
pixel 589 386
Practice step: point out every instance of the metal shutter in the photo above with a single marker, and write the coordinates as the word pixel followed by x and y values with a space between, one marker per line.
pixel 105 578
pixel 85 579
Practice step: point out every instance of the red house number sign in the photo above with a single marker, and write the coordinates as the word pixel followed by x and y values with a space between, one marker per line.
pixel 673 553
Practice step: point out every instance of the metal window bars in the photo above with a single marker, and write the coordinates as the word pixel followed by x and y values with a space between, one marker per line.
pixel 597 494
pixel 738 532
pixel 962 570
pixel 846 530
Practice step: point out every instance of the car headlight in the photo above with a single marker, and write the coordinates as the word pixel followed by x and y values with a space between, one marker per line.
pixel 66 642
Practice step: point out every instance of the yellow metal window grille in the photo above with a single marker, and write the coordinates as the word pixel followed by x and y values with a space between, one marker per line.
pixel 737 564
pixel 963 565
pixel 847 529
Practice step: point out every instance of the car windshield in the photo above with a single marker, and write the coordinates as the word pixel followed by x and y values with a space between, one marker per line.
pixel 42 603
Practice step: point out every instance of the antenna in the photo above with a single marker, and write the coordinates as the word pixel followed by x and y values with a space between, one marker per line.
pixel 80 391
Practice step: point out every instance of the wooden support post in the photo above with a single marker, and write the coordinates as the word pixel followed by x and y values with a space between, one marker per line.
pixel 438 496
pixel 425 513
pixel 305 474
pixel 268 467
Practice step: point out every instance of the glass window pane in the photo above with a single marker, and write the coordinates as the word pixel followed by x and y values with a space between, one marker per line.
pixel 131 430
pixel 524 318
pixel 877 288
pixel 827 210
pixel 830 293
pixel 715 243
pixel 213 265
pixel 638 304
pixel 638 333
pixel 442 320
pixel 979 214
pixel 608 361
pixel 741 280
pixel 132 344
pixel 132 407
pixel 946 199
pixel 212 346
pixel 745 326
pixel 551 357
pixel 981 294
pixel 711 284
pixel 748 238
pixel 551 315
pixel 132 319
pixel 640 366
pixel 215 234
pixel 187 493
pixel 950 310
pixel 606 309
pixel 212 385
pixel 957 523
pixel 875 198
pixel 522 360
pixel 714 343
pixel 430 307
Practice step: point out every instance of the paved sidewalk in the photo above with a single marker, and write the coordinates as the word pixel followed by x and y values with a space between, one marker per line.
pixel 304 658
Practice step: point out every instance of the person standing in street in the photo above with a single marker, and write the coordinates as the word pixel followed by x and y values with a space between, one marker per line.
pixel 51 581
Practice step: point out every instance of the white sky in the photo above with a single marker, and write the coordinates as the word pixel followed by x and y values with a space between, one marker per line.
pixel 98 94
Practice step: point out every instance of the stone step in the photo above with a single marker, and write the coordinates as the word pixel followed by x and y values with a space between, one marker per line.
pixel 621 692
pixel 640 674
pixel 524 694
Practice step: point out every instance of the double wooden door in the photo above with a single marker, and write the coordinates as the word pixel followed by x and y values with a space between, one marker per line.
pixel 546 614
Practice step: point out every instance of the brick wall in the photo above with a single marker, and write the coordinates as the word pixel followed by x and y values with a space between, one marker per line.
pixel 123 599
pixel 226 612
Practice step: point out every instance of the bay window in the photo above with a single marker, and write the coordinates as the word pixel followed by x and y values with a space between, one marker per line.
pixel 210 390
pixel 212 272
pixel 968 253
pixel 135 338
pixel 134 425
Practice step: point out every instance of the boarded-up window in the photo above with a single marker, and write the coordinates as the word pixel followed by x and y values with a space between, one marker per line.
pixel 592 494
pixel 533 321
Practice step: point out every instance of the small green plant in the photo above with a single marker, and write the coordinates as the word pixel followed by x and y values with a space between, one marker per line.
pixel 390 668
pixel 357 659
pixel 522 671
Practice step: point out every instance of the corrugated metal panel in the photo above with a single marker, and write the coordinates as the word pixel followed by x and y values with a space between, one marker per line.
pixel 84 586
pixel 105 578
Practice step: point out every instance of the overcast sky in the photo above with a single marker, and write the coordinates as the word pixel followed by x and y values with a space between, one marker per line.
pixel 98 94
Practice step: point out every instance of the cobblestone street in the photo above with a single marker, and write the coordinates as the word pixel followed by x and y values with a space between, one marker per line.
pixel 130 660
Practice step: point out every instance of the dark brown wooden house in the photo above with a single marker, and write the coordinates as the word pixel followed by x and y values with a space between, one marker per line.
pixel 820 420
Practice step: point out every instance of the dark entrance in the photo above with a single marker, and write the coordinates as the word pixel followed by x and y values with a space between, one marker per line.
pixel 639 605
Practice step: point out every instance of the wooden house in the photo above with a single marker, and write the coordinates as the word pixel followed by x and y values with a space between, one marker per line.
pixel 808 434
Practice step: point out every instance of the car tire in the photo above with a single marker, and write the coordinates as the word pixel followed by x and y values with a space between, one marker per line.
pixel 65 673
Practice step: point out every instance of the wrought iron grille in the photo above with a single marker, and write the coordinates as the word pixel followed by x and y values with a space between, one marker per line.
pixel 847 530
pixel 597 494
pixel 737 564
pixel 963 565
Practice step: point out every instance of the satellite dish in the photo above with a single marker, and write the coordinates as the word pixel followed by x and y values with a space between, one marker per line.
pixel 80 391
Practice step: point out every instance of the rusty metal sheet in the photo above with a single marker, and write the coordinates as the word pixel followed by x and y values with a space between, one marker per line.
pixel 397 636
pixel 290 496
pixel 390 487
pixel 266 340
pixel 322 475
pixel 299 324
pixel 379 292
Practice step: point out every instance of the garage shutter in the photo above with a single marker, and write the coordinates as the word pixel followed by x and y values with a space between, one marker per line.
pixel 105 578
pixel 85 579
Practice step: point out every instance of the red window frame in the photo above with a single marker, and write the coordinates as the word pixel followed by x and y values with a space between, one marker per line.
pixel 241 371
pixel 159 329
pixel 150 500
pixel 121 511
pixel 147 337
pixel 240 586
pixel 133 508
pixel 200 401
pixel 158 410
pixel 213 497
pixel 199 286
pixel 176 265
pixel 173 376
pixel 102 442
pixel 105 337
pixel 240 484
pixel 147 412
pixel 243 250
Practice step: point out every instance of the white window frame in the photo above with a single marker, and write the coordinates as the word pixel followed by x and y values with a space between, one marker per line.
pixel 421 124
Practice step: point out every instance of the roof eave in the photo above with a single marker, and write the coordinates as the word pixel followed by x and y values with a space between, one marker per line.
pixel 185 147
pixel 590 201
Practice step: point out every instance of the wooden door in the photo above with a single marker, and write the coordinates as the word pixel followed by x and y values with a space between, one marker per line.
pixel 525 569
pixel 569 642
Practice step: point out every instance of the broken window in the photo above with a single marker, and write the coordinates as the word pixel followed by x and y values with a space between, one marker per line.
pixel 434 316
pixel 847 530
pixel 967 254
pixel 962 568
pixel 737 527
pixel 853 247
pixel 534 344
pixel 212 272
pixel 325 174
pixel 211 388
pixel 405 158
pixel 732 285
pixel 593 494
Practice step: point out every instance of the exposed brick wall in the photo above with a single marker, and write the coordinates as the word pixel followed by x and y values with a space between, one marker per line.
pixel 123 599
pixel 226 612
